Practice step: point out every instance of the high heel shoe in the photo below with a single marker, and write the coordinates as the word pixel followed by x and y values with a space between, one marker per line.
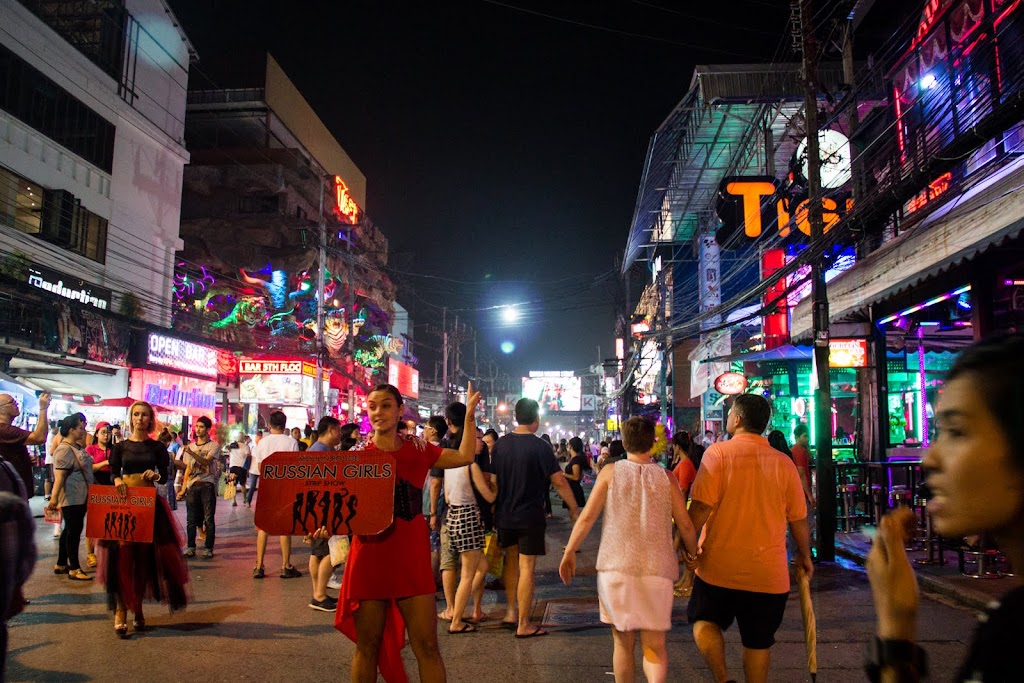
pixel 120 625
pixel 139 623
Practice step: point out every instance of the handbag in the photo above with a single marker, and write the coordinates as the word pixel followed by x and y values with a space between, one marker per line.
pixel 51 516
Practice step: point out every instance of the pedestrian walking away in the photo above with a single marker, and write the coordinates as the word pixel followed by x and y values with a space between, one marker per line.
pixel 745 493
pixel 636 564
pixel 524 467
pixel 276 441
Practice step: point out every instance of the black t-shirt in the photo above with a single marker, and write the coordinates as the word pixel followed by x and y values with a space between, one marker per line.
pixel 523 465
pixel 580 460
pixel 993 655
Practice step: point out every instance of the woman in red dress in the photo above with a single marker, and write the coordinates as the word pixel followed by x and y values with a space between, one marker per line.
pixel 388 587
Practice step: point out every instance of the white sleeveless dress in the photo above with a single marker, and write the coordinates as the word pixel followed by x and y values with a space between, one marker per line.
pixel 636 564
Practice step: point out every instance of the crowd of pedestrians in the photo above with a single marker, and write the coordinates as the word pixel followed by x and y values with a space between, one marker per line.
pixel 477 500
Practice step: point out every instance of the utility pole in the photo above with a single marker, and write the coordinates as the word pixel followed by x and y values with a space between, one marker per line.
pixel 825 468
pixel 444 356
pixel 318 409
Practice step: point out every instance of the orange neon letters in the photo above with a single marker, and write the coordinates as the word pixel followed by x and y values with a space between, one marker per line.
pixel 751 192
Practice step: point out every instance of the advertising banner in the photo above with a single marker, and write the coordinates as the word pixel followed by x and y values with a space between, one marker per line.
pixel 113 517
pixel 349 492
pixel 556 391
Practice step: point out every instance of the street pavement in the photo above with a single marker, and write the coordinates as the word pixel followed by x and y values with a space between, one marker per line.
pixel 239 629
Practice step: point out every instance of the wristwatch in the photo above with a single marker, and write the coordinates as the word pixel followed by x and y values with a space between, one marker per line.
pixel 907 659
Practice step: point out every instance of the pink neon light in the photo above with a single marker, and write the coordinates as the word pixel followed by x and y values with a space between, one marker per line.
pixel 921 407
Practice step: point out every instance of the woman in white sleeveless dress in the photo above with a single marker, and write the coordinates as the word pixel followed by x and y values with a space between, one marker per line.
pixel 636 564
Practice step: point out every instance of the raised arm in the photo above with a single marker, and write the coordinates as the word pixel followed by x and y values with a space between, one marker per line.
pixel 37 436
pixel 467 449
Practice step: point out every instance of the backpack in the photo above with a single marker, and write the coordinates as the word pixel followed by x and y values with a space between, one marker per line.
pixel 10 480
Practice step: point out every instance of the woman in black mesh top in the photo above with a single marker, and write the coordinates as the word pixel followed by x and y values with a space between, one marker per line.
pixel 132 571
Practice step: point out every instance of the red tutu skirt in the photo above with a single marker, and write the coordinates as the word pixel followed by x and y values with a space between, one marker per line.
pixel 150 572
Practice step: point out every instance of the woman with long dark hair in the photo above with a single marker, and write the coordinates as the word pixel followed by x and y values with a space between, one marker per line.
pixel 975 472
pixel 388 587
pixel 133 572
pixel 575 468
pixel 72 468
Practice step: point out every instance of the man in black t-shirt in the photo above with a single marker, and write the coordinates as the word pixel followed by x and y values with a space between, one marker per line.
pixel 524 466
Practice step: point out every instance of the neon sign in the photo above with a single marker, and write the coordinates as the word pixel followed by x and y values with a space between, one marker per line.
pixel 182 355
pixel 730 383
pixel 176 398
pixel 346 205
pixel 935 189
pixel 753 202
pixel 932 11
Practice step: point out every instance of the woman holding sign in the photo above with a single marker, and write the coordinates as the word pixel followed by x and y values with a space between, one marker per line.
pixel 388 587
pixel 135 571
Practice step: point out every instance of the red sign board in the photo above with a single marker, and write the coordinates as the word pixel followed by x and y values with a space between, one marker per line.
pixel 349 492
pixel 847 353
pixel 730 383
pixel 113 517
pixel 405 377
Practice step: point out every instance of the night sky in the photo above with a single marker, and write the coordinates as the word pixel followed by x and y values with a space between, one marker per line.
pixel 503 149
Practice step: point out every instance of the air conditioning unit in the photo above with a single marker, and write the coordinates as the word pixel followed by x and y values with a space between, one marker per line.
pixel 60 210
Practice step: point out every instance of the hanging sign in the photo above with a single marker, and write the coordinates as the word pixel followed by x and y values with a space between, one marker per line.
pixel 349 492
pixel 847 353
pixel 730 383
pixel 113 517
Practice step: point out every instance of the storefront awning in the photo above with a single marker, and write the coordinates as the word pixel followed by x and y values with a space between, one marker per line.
pixel 982 217
pixel 786 352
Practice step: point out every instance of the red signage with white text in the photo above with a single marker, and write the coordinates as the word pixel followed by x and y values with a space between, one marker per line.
pixel 730 383
pixel 349 492
pixel 405 377
pixel 847 353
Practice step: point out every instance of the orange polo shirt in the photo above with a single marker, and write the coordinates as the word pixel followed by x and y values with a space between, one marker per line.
pixel 754 491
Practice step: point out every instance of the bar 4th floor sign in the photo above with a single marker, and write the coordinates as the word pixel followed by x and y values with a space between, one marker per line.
pixel 348 492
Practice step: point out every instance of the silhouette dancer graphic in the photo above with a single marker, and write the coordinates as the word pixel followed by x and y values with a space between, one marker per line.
pixel 352 502
pixel 311 497
pixel 106 524
pixel 325 507
pixel 297 512
pixel 339 515
pixel 132 522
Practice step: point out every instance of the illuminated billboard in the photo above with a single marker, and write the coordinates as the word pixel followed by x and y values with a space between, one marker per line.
pixel 555 391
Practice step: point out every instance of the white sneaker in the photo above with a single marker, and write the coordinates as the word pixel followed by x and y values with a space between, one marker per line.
pixel 334 582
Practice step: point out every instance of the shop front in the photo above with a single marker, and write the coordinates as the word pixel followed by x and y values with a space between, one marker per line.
pixel 178 378
pixel 60 337
pixel 285 384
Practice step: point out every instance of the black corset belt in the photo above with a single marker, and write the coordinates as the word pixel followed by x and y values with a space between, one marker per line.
pixel 408 500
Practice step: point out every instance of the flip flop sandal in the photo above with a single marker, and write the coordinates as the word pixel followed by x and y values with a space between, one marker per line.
pixel 448 619
pixel 466 628
pixel 79 575
pixel 476 621
pixel 60 569
pixel 510 625
pixel 535 633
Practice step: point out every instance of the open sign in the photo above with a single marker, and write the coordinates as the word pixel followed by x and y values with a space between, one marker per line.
pixel 730 383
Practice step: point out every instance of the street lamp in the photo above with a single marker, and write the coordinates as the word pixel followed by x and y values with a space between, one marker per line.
pixel 510 314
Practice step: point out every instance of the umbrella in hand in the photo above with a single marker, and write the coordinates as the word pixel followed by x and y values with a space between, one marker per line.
pixel 810 624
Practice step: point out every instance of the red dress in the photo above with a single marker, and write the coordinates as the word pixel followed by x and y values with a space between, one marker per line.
pixel 396 563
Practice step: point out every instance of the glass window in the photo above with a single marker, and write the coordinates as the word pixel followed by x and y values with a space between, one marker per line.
pixel 21 203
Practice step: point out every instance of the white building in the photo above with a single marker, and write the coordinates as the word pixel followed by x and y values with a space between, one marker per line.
pixel 92 109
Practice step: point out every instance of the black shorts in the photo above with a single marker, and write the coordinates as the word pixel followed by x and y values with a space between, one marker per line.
pixel 241 475
pixel 319 548
pixel 529 540
pixel 758 615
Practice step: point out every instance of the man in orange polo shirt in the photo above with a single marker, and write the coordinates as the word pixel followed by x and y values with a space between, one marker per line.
pixel 745 493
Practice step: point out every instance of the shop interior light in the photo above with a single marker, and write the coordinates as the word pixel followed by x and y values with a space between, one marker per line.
pixel 926 304
pixel 930 323
pixel 928 81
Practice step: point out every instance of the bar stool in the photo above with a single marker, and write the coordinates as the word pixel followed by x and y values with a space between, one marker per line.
pixel 899 496
pixel 984 561
pixel 875 496
pixel 932 542
pixel 848 507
